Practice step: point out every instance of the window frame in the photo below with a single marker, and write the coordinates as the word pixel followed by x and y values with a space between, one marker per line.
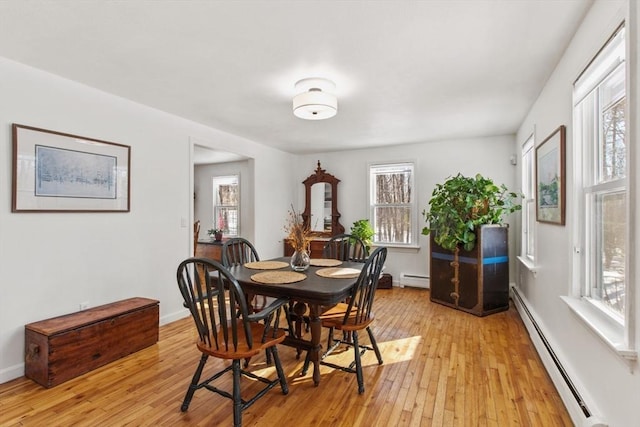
pixel 616 331
pixel 412 205
pixel 528 247
pixel 215 208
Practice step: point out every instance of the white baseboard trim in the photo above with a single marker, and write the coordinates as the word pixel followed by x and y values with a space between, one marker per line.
pixel 172 317
pixel 578 410
pixel 11 373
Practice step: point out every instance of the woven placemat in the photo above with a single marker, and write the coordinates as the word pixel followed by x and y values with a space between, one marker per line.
pixel 325 262
pixel 278 277
pixel 339 273
pixel 266 265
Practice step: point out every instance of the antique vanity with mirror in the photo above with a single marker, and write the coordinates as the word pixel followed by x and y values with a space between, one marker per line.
pixel 320 211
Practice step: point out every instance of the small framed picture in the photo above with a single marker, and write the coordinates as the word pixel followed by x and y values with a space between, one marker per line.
pixel 550 178
pixel 59 172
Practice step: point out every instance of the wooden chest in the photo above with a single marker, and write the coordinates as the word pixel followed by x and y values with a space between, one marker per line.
pixel 68 346
pixel 483 274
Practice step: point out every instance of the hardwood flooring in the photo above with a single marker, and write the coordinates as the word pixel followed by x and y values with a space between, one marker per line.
pixel 442 367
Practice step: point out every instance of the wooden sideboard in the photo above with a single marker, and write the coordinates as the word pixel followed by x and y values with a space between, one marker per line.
pixel 316 246
pixel 209 249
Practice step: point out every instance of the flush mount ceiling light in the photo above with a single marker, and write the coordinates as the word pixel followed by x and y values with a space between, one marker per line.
pixel 315 99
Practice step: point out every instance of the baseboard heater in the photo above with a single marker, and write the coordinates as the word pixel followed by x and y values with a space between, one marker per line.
pixel 409 279
pixel 554 357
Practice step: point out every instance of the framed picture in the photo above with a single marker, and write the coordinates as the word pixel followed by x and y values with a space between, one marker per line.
pixel 550 178
pixel 59 172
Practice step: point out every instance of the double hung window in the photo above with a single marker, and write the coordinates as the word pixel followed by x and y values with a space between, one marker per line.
pixel 600 161
pixel 529 203
pixel 392 203
pixel 226 204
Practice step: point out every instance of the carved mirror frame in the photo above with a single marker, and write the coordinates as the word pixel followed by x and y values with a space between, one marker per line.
pixel 320 176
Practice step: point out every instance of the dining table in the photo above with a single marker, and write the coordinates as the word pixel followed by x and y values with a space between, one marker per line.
pixel 318 292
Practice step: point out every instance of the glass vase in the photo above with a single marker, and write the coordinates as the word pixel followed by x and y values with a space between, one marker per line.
pixel 300 260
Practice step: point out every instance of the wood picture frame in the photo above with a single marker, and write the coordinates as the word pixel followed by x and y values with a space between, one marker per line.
pixel 551 179
pixel 60 172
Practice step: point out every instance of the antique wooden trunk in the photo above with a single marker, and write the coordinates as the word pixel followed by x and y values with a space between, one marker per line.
pixel 385 281
pixel 68 346
pixel 483 274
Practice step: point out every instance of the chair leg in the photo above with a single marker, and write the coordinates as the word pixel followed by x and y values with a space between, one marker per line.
pixel 280 371
pixel 307 362
pixel 374 344
pixel 330 338
pixel 194 383
pixel 237 399
pixel 356 349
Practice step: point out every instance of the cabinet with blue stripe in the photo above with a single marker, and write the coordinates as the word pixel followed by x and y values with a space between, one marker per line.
pixel 483 274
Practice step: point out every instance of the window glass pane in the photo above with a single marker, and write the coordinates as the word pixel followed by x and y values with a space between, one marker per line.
pixel 227 220
pixel 393 187
pixel 612 147
pixel 611 244
pixel 392 224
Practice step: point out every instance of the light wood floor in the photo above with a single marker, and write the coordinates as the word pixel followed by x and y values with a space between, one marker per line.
pixel 441 367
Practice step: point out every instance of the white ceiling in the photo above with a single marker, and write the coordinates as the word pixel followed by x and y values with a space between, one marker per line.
pixel 405 71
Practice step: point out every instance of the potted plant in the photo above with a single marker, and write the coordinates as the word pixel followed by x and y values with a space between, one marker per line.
pixel 465 221
pixel 215 233
pixel 363 230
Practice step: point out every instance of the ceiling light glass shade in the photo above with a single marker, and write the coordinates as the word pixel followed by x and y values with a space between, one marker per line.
pixel 313 102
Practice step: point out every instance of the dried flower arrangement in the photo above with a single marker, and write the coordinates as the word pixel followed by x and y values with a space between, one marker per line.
pixel 298 235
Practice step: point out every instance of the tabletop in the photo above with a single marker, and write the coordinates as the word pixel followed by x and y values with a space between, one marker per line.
pixel 314 289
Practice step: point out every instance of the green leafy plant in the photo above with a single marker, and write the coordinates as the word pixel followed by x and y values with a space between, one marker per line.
pixel 362 229
pixel 461 204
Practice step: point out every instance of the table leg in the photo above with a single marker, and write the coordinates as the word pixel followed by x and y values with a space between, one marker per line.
pixel 316 347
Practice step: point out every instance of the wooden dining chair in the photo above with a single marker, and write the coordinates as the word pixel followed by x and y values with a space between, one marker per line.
pixel 355 316
pixel 226 330
pixel 345 247
pixel 238 251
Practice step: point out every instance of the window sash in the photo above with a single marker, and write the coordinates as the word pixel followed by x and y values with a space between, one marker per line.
pixel 399 226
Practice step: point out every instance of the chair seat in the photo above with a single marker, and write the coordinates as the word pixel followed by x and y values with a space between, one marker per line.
pixel 334 318
pixel 243 350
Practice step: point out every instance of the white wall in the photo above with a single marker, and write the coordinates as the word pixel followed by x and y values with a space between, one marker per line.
pixel 435 161
pixel 51 262
pixel 609 385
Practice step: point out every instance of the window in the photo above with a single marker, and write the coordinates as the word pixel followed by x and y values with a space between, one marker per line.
pixel 226 204
pixel 529 202
pixel 392 205
pixel 601 175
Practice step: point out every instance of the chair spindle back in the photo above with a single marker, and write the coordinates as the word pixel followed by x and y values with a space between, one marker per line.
pixel 216 303
pixel 237 251
pixel 363 292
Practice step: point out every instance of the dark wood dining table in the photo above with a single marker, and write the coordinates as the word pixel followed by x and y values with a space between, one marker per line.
pixel 317 292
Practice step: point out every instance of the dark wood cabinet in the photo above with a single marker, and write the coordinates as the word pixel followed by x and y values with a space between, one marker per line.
pixel 483 274
pixel 209 249
pixel 316 246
